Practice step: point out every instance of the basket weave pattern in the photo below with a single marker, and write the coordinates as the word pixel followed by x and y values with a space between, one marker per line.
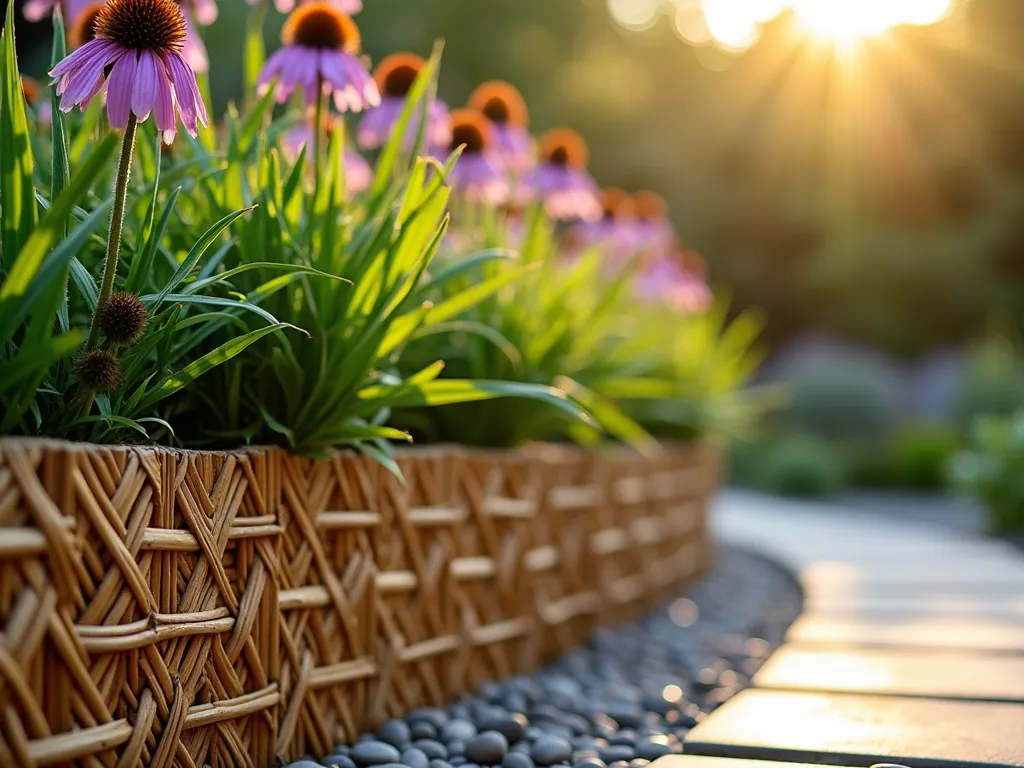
pixel 171 608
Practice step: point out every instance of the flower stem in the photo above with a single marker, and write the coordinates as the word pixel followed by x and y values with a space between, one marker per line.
pixel 124 167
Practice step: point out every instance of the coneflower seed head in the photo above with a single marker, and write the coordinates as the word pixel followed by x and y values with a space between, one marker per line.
pixel 123 318
pixel 396 73
pixel 563 146
pixel 470 129
pixel 98 370
pixel 155 25
pixel 320 25
pixel 84 28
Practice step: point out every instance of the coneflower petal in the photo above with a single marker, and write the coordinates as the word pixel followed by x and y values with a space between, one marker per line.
pixel 190 103
pixel 75 90
pixel 81 57
pixel 119 90
pixel 144 88
pixel 163 109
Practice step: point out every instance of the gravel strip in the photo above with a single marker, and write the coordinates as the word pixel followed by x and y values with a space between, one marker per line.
pixel 626 698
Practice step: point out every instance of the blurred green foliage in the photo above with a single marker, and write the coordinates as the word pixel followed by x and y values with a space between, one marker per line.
pixel 916 458
pixel 796 465
pixel 843 400
pixel 991 470
pixel 992 383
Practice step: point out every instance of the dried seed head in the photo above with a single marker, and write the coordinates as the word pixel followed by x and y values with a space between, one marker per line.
pixel 320 25
pixel 84 28
pixel 396 73
pixel 472 129
pixel 155 25
pixel 123 318
pixel 501 102
pixel 98 371
pixel 563 146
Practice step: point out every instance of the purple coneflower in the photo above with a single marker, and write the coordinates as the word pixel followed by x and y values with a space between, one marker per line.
pixel 204 11
pixel 287 6
pixel 358 173
pixel 561 179
pixel 37 10
pixel 193 50
pixel 395 76
pixel 652 228
pixel 478 174
pixel 136 58
pixel 320 55
pixel 503 105
pixel 613 231
pixel 664 280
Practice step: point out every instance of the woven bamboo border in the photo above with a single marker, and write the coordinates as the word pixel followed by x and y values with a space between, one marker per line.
pixel 172 608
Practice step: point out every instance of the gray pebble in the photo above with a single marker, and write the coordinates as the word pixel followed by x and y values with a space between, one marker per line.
pixel 374 752
pixel 517 760
pixel 652 750
pixel 616 753
pixel 305 764
pixel 433 715
pixel 415 758
pixel 422 729
pixel 462 730
pixel 434 750
pixel 512 727
pixel 593 762
pixel 395 732
pixel 339 761
pixel 439 764
pixel 550 750
pixel 487 748
pixel 455 747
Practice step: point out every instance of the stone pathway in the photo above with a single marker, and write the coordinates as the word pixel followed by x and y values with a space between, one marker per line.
pixel 910 651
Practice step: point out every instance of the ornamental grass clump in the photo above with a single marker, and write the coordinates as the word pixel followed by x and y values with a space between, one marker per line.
pixel 258 282
pixel 262 280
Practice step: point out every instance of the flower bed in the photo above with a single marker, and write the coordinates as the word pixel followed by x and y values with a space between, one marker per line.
pixel 165 607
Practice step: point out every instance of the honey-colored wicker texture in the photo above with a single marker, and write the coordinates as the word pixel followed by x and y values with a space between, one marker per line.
pixel 172 608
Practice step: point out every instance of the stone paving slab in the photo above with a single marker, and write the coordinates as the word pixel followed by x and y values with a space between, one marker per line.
pixel 897 672
pixel 858 730
pixel 698 761
pixel 919 603
pixel 960 633
pixel 928 572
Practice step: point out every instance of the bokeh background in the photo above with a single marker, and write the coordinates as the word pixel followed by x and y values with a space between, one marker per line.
pixel 866 191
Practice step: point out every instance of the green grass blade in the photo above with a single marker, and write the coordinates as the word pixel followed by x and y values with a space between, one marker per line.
pixel 17 191
pixel 195 254
pixel 204 364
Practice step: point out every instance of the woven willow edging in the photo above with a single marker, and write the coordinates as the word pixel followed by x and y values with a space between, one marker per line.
pixel 163 608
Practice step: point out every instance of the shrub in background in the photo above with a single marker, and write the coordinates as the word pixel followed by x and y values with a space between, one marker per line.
pixel 992 382
pixel 919 456
pixel 845 400
pixel 991 470
pixel 803 466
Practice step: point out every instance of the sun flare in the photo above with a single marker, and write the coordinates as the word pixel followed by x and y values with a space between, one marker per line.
pixel 847 21
pixel 736 24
